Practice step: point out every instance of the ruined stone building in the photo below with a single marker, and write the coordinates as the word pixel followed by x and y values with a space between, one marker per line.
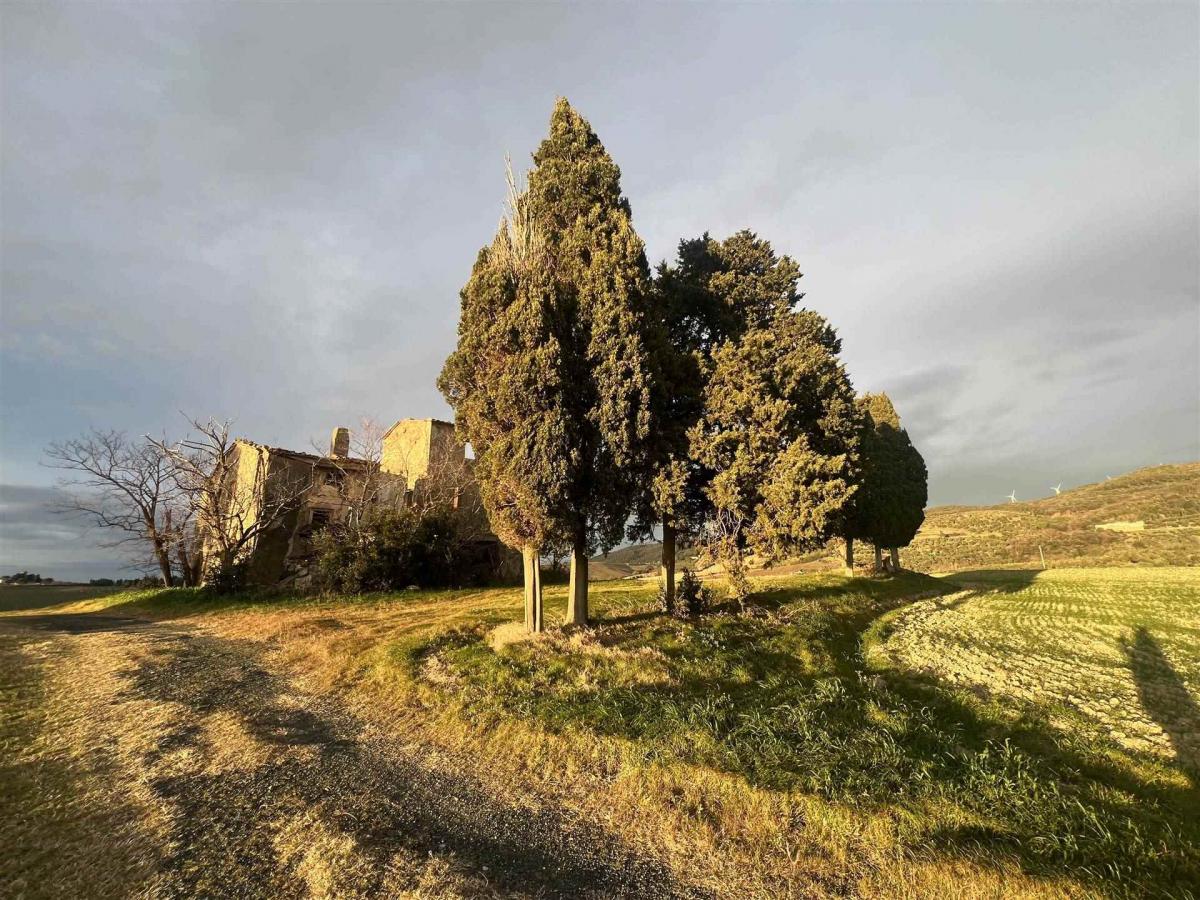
pixel 420 462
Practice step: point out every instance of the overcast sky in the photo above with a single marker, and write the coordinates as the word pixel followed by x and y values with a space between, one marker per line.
pixel 265 211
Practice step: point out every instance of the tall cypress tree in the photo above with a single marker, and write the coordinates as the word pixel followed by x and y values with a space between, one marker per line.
pixel 551 380
pixel 601 282
pixel 504 382
pixel 889 506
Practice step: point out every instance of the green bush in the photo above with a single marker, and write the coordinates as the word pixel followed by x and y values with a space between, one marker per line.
pixel 692 598
pixel 398 548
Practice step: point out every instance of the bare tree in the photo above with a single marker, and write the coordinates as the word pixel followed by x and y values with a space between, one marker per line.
pixel 124 485
pixel 235 491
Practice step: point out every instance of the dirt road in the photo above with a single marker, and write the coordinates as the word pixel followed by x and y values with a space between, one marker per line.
pixel 188 767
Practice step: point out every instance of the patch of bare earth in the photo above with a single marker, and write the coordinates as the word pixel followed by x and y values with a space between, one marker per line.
pixel 167 760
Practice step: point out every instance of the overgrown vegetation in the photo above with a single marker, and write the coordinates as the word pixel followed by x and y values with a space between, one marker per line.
pixel 392 549
pixel 690 598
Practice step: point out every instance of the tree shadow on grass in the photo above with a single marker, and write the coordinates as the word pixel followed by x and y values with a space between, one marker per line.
pixel 1165 698
pixel 789 703
pixel 1002 581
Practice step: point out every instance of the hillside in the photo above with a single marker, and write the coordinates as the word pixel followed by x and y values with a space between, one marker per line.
pixel 1152 517
pixel 637 559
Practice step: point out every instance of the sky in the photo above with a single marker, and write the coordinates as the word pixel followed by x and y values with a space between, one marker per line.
pixel 264 212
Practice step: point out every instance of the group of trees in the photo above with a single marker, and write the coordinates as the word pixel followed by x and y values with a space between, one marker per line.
pixel 602 401
pixel 24 577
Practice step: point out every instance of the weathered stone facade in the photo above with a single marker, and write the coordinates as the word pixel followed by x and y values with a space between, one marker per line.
pixel 415 454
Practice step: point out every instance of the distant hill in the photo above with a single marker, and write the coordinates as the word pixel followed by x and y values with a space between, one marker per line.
pixel 636 559
pixel 1147 517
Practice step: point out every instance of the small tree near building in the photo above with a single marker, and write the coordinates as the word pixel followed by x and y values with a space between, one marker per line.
pixel 234 493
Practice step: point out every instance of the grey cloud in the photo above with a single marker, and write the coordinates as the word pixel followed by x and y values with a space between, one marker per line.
pixel 36 538
pixel 266 212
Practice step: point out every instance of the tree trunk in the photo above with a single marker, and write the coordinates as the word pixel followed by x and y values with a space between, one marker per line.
pixel 185 565
pixel 533 588
pixel 895 559
pixel 668 563
pixel 163 554
pixel 878 558
pixel 849 557
pixel 577 592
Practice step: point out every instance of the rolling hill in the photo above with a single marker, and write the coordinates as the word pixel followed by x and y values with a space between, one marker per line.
pixel 1147 517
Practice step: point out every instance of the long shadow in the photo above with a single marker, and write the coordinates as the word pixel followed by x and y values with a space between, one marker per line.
pixel 385 798
pixel 1165 697
pixel 1003 581
pixel 784 724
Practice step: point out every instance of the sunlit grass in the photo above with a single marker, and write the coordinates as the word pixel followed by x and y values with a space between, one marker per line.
pixel 767 754
pixel 785 701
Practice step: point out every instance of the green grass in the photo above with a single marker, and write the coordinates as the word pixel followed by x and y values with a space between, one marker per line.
pixel 787 701
pixel 862 724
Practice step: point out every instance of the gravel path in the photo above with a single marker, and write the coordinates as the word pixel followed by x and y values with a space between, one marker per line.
pixel 318 803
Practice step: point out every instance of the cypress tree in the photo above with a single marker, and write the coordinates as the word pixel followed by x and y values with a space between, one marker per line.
pixel 551 380
pixel 504 382
pixel 712 294
pixel 780 433
pixel 890 504
pixel 601 282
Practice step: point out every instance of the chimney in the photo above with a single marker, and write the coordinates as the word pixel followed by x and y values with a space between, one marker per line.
pixel 339 442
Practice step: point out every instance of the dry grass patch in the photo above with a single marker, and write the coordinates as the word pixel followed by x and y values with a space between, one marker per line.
pixel 75 818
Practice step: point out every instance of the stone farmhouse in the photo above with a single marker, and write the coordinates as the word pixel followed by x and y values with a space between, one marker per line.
pixel 420 461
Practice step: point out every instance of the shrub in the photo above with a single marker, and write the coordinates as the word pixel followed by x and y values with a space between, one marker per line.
pixel 692 598
pixel 397 548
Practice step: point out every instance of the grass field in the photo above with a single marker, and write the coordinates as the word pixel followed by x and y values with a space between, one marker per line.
pixel 850 737
pixel 1113 651
pixel 41 596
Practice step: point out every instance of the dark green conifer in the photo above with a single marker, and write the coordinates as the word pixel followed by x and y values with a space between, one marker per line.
pixel 780 433
pixel 712 294
pixel 601 283
pixel 551 380
pixel 890 504
pixel 504 382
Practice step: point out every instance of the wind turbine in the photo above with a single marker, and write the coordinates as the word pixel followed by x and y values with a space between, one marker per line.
pixel 1012 498
pixel 1058 489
